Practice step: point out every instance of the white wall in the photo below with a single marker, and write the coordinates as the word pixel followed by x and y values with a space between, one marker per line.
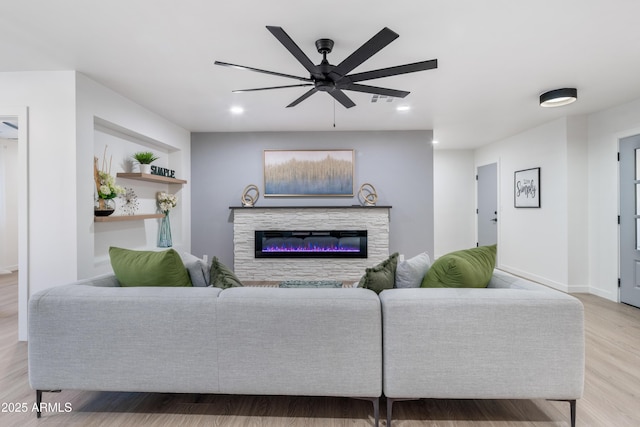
pixel 454 200
pixel 534 242
pixel 577 204
pixel 8 205
pixel 51 250
pixel 605 129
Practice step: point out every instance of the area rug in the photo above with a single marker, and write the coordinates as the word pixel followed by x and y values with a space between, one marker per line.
pixel 310 284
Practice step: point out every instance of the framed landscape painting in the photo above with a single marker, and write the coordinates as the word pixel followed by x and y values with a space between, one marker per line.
pixel 526 188
pixel 305 173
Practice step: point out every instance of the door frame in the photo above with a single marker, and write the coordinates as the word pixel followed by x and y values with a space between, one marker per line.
pixel 22 114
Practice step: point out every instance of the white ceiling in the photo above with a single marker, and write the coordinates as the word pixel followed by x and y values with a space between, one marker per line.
pixel 495 57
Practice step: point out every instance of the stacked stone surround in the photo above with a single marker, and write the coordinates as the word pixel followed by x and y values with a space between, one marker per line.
pixel 247 220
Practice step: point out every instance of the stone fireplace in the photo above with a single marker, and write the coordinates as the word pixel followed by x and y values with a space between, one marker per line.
pixel 310 243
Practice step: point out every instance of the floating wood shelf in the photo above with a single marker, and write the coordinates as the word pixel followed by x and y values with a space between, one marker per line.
pixel 151 178
pixel 125 217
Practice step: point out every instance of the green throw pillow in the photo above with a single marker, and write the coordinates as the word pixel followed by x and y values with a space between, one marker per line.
pixel 221 276
pixel 148 268
pixel 382 276
pixel 469 268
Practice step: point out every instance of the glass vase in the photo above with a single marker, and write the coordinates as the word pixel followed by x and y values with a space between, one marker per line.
pixel 104 207
pixel 164 236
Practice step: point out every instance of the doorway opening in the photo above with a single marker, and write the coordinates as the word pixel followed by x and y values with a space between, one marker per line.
pixel 18 117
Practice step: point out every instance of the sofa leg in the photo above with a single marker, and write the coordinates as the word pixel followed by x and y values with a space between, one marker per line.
pixel 572 403
pixel 376 408
pixel 376 411
pixel 39 400
pixel 390 402
pixel 572 406
pixel 389 409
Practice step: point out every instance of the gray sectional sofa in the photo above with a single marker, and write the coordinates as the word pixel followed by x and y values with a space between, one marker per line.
pixel 513 340
pixel 522 341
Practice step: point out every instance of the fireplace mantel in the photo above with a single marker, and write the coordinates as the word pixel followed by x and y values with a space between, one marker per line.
pixel 374 219
pixel 312 207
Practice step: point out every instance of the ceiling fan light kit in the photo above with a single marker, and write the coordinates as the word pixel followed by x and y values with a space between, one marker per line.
pixel 335 79
pixel 558 97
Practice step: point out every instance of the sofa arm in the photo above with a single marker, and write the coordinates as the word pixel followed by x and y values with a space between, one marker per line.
pixel 482 343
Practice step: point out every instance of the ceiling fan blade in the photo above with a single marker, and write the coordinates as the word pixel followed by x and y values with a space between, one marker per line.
pixel 342 98
pixel 258 70
pixel 394 71
pixel 303 97
pixel 366 51
pixel 375 89
pixel 293 48
pixel 269 88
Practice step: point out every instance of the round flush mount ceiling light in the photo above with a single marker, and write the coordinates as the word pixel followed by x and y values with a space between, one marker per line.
pixel 236 110
pixel 558 97
pixel 403 108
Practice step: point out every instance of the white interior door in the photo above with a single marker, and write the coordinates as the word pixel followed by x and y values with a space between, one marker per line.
pixel 630 220
pixel 487 211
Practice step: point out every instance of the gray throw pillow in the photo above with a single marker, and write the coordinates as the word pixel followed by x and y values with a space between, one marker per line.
pixel 197 268
pixel 410 272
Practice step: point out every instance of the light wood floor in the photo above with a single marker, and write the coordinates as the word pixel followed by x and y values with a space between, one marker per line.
pixel 612 391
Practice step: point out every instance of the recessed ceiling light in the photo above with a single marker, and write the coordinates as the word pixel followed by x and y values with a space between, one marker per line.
pixel 236 110
pixel 403 108
pixel 434 142
pixel 558 97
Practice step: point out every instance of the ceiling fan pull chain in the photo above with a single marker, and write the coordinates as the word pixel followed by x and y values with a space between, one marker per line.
pixel 334 113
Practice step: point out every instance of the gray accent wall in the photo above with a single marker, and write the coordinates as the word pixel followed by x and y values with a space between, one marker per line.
pixel 399 164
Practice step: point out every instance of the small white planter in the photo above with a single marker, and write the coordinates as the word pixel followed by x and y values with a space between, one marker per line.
pixel 145 168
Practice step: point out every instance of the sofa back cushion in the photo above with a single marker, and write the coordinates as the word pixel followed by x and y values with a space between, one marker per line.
pixel 148 268
pixel 469 268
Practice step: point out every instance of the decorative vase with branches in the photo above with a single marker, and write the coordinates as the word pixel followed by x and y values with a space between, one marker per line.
pixel 106 187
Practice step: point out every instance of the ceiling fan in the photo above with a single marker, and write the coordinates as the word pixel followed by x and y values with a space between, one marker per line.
pixel 334 79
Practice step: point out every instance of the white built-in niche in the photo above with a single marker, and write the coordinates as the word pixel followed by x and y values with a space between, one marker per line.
pixel 126 227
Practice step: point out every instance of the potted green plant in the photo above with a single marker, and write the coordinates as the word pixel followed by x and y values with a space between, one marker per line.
pixel 144 159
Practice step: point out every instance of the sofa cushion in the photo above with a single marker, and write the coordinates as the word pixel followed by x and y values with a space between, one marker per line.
pixel 469 268
pixel 410 272
pixel 221 276
pixel 148 268
pixel 382 276
pixel 198 269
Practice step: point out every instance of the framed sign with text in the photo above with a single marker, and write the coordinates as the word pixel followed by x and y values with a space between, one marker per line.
pixel 526 188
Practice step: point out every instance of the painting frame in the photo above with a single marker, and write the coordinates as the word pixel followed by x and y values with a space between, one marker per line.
pixel 308 173
pixel 526 188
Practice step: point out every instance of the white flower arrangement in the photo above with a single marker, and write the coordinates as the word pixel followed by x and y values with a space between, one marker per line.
pixel 105 183
pixel 166 201
pixel 108 188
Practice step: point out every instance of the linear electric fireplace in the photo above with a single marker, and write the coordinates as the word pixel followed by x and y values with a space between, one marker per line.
pixel 311 244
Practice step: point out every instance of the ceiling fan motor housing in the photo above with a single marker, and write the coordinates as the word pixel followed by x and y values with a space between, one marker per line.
pixel 324 46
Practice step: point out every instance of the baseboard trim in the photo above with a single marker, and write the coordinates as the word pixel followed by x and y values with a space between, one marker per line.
pixel 611 296
pixel 539 279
